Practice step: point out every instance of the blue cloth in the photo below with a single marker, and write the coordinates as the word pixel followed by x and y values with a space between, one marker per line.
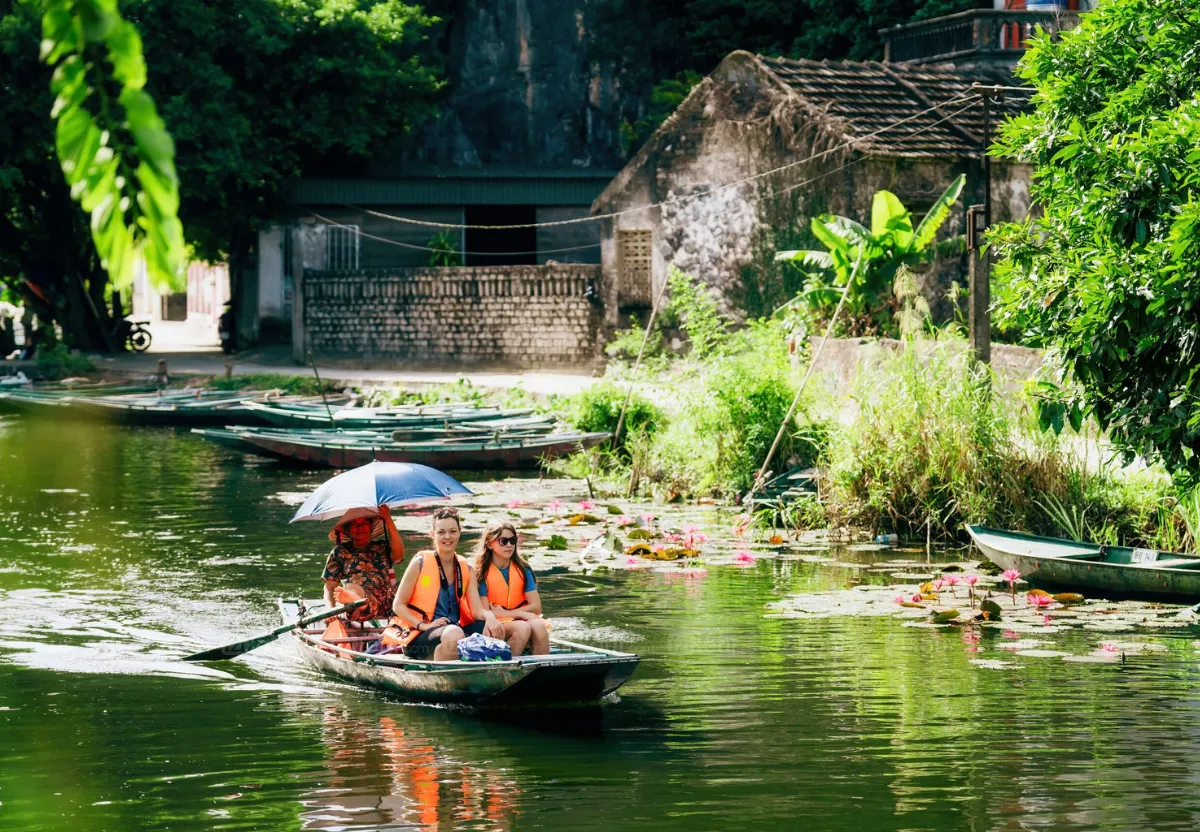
pixel 481 648
pixel 530 581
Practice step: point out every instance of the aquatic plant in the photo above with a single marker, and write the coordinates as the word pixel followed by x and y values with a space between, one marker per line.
pixel 1012 576
pixel 971 581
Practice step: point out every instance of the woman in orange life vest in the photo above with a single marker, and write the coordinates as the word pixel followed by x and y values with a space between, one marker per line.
pixel 437 602
pixel 361 564
pixel 510 590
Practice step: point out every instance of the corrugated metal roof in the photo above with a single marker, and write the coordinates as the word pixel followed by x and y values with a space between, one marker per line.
pixel 460 188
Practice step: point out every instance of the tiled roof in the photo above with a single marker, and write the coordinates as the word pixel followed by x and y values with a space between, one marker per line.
pixel 866 100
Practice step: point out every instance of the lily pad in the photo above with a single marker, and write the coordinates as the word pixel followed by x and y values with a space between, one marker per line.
pixel 992 664
pixel 557 543
pixel 615 510
pixel 1043 654
pixel 640 534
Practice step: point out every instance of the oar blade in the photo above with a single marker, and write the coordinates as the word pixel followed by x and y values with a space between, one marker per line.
pixel 230 651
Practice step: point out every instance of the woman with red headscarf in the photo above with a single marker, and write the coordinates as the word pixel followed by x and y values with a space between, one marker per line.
pixel 362 563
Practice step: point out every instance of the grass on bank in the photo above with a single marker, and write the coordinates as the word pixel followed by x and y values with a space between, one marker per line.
pixel 931 442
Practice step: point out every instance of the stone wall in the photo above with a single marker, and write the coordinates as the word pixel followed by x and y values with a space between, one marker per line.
pixel 486 316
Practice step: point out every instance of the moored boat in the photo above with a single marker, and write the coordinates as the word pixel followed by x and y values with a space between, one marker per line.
pixel 382 418
pixel 569 673
pixel 350 449
pixel 1068 563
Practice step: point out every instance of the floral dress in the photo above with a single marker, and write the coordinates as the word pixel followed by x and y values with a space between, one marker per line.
pixel 371 568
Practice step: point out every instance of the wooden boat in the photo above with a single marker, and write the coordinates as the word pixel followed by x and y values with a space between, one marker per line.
pixel 350 449
pixel 1117 569
pixel 174 410
pixel 570 673
pixel 382 418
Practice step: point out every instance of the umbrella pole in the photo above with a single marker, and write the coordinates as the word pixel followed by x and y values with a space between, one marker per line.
pixel 321 390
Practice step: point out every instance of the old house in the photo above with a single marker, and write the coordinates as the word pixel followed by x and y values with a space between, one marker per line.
pixel 764 144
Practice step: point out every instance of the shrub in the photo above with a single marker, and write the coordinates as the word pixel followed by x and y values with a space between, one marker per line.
pixel 59 362
pixel 694 305
pixel 599 407
pixel 293 385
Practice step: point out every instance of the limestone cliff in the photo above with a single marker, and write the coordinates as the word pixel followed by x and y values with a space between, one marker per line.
pixel 525 90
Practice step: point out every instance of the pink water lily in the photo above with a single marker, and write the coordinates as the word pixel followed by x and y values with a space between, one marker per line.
pixel 693 539
pixel 971 581
pixel 937 586
pixel 916 599
pixel 1012 576
pixel 625 520
pixel 899 599
pixel 1108 647
pixel 740 524
pixel 631 561
pixel 586 505
pixel 647 519
pixel 516 503
pixel 1039 601
pixel 555 506
pixel 1047 620
pixel 743 556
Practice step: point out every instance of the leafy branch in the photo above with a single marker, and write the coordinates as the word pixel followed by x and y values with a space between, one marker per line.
pixel 115 152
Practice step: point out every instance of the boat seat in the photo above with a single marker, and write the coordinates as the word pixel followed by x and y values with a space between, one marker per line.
pixel 1097 553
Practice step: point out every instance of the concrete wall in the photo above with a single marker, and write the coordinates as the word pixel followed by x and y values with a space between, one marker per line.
pixel 487 316
pixel 842 359
pixel 581 238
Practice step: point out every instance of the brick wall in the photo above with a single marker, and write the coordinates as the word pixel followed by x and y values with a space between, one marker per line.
pixel 498 316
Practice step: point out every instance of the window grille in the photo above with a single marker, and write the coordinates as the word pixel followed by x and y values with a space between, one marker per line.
pixel 636 269
pixel 341 247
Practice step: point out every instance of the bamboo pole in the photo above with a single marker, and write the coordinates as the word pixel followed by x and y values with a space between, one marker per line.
pixel 759 480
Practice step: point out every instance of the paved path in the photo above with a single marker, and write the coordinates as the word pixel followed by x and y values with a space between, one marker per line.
pixel 211 362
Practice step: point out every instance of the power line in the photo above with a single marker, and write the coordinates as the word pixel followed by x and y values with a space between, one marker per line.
pixel 360 233
pixel 698 194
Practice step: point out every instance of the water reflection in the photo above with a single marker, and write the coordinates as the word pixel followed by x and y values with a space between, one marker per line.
pixel 385 773
pixel 734 719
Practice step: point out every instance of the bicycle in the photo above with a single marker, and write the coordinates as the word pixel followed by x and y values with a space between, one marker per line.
pixel 133 334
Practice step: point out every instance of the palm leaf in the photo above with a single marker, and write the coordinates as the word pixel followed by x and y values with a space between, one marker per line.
pixel 888 214
pixel 937 215
pixel 809 259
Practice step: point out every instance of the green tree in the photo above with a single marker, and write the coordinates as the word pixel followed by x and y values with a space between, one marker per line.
pixel 264 92
pixel 888 245
pixel 1108 274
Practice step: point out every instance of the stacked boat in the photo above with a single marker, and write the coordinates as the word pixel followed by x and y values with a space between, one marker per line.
pixel 320 432
pixel 141 405
pixel 442 436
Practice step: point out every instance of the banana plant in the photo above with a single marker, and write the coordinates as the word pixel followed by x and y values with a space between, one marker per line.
pixel 890 242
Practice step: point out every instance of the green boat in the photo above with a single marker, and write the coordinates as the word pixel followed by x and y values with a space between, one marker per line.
pixel 1091 566
pixel 376 418
pixel 570 673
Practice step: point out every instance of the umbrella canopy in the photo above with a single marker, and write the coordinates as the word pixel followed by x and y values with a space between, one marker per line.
pixel 375 484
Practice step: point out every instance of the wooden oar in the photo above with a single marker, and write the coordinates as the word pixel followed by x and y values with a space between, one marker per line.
pixel 230 651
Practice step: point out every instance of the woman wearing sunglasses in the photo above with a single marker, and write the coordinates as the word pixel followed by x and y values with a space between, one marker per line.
pixel 512 593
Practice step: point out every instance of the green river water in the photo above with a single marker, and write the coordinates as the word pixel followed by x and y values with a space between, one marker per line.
pixel 122 549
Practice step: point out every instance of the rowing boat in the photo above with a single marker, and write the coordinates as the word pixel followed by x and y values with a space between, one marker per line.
pixel 1068 563
pixel 569 673
pixel 380 418
pixel 350 449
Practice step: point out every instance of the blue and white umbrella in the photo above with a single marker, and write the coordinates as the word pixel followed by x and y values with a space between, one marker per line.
pixel 377 483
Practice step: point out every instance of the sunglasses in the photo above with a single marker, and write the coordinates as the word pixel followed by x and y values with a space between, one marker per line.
pixel 506 541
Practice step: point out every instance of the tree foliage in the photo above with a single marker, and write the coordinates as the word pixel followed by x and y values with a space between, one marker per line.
pixel 254 92
pixel 891 243
pixel 1108 275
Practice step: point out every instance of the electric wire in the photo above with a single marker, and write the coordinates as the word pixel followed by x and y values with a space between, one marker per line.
pixel 971 95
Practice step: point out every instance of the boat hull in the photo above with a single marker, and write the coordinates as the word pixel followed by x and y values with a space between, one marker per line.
pixel 573 675
pixel 1069 564
pixel 466 455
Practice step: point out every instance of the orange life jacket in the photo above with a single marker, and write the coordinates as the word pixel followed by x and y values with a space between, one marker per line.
pixel 425 595
pixel 508 594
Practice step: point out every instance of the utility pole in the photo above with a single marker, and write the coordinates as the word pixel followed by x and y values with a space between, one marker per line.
pixel 979 219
